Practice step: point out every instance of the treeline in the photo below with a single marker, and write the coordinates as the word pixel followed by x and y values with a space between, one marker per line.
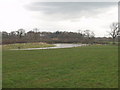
pixel 20 36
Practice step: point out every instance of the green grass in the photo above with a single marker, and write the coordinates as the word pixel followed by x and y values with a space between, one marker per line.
pixel 81 67
pixel 26 45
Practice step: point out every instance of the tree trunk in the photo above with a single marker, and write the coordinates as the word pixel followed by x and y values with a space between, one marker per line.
pixel 113 40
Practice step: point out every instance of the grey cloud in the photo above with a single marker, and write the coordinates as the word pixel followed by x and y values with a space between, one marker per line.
pixel 68 9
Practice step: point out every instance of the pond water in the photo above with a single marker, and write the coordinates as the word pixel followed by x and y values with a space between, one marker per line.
pixel 56 46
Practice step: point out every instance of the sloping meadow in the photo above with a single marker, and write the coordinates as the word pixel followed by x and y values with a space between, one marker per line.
pixel 79 67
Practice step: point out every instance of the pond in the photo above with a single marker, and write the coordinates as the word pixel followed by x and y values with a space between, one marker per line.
pixel 60 45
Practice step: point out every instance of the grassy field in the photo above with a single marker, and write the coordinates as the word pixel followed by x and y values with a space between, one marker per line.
pixel 81 67
pixel 26 45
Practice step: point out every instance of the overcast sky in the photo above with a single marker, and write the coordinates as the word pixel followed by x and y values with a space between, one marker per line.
pixel 57 16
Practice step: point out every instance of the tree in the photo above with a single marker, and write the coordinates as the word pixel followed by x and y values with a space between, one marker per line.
pixel 114 31
pixel 89 36
pixel 36 34
pixel 36 30
pixel 13 33
pixel 4 34
pixel 20 32
pixel 89 33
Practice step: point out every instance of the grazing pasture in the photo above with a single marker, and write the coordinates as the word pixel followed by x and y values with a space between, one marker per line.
pixel 79 67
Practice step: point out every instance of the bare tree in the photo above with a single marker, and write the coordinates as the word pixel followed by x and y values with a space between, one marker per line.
pixel 36 30
pixel 13 33
pixel 4 34
pixel 89 36
pixel 20 32
pixel 114 31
